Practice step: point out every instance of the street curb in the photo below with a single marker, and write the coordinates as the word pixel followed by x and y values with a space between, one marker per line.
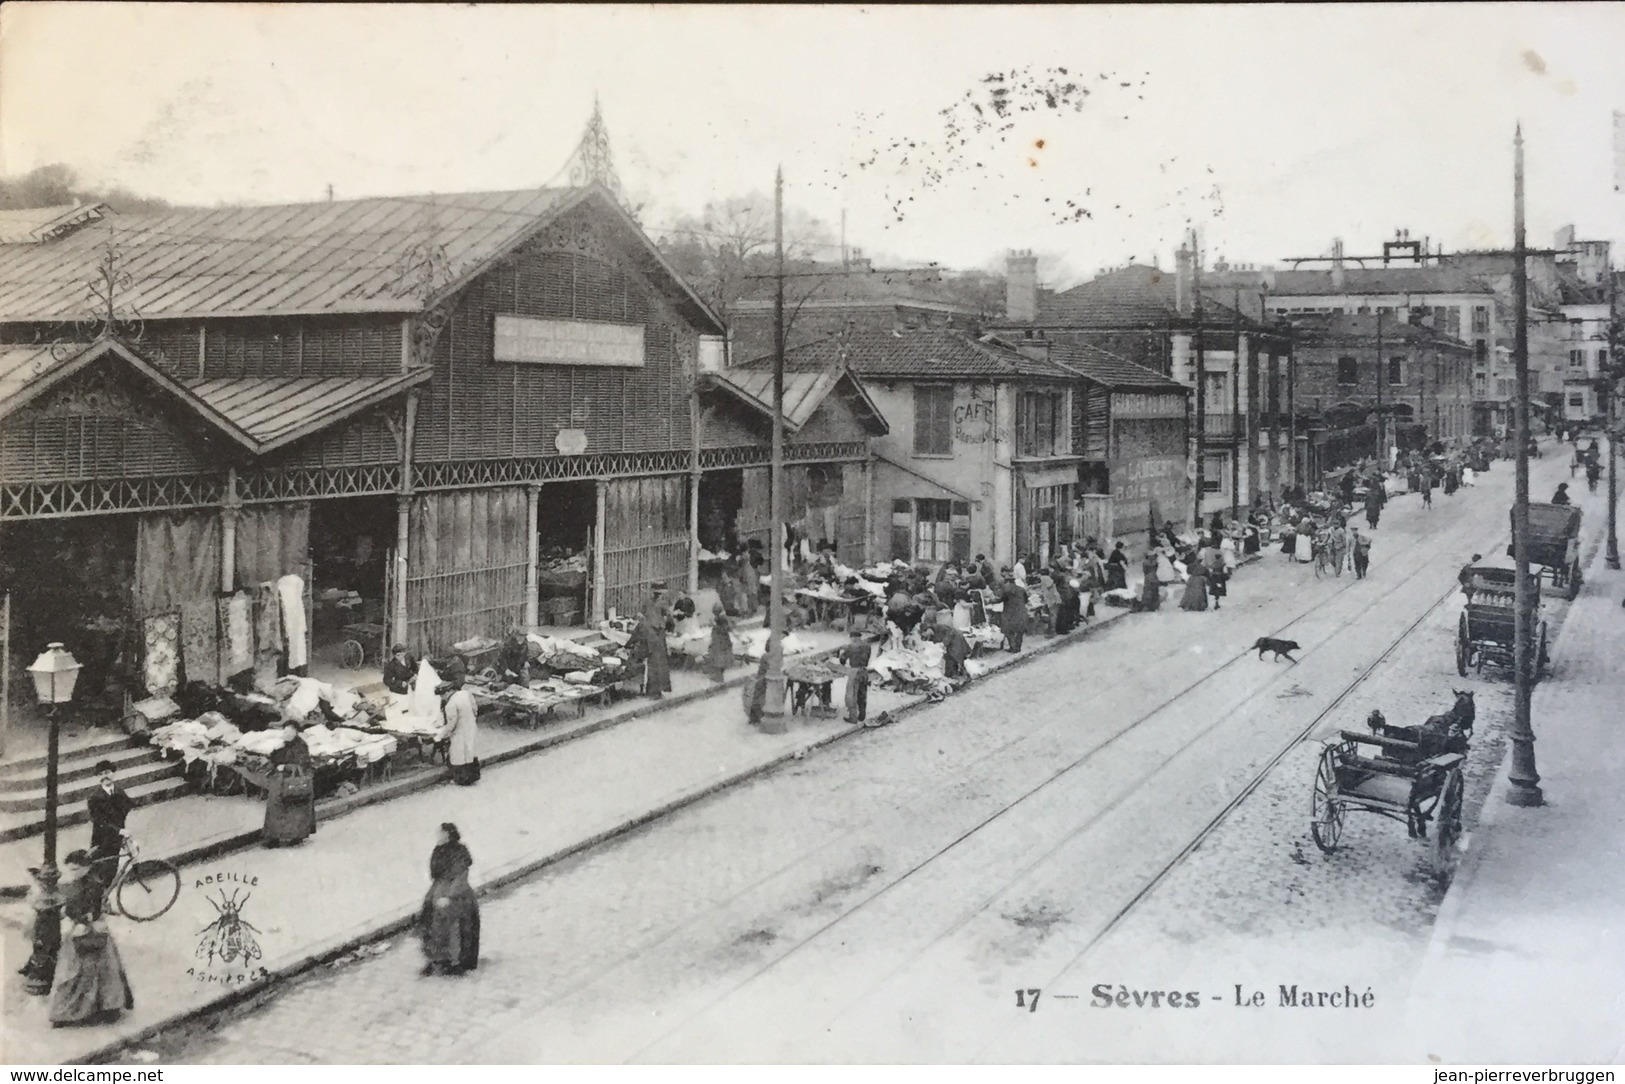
pixel 399 923
pixel 334 808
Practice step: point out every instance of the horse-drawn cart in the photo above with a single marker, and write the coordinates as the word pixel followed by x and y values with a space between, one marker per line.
pixel 1554 545
pixel 1409 774
pixel 1485 632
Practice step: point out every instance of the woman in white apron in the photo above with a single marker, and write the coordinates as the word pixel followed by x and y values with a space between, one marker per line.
pixel 1304 548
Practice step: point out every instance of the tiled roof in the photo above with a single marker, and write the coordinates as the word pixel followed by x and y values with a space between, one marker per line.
pixel 1136 296
pixel 920 355
pixel 1111 370
pixel 804 392
pixel 1368 280
pixel 272 412
pixel 32 225
pixel 259 414
pixel 347 256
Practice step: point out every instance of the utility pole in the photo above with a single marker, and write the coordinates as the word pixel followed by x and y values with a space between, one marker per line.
pixel 1235 418
pixel 1382 444
pixel 772 705
pixel 1525 779
pixel 1201 380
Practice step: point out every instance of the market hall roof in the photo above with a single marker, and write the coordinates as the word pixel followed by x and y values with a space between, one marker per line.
pixel 258 414
pixel 339 257
pixel 804 392
pixel 1356 281
pixel 932 354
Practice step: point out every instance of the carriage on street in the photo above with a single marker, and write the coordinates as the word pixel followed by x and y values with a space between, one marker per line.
pixel 1486 629
pixel 1554 545
pixel 1411 774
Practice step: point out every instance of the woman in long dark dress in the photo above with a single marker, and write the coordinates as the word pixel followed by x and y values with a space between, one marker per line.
pixel 1069 612
pixel 91 986
pixel 1151 592
pixel 1117 569
pixel 290 798
pixel 721 653
pixel 1195 598
pixel 450 919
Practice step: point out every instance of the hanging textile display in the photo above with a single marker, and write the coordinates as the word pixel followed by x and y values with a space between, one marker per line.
pixel 273 541
pixel 267 634
pixel 162 641
pixel 295 627
pixel 200 640
pixel 237 635
pixel 177 560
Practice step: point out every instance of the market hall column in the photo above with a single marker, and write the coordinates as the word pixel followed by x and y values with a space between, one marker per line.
pixel 229 511
pixel 403 520
pixel 598 614
pixel 532 555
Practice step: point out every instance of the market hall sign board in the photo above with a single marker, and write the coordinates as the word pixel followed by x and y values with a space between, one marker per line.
pixel 533 341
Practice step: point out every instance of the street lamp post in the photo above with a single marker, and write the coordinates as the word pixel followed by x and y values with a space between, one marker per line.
pixel 55 672
pixel 1525 779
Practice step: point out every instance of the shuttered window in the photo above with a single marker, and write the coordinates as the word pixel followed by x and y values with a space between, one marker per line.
pixel 932 531
pixel 933 419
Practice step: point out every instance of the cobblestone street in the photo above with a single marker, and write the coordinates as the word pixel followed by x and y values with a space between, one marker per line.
pixel 883 899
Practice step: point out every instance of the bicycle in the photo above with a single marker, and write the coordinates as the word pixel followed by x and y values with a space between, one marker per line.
pixel 1323 560
pixel 141 890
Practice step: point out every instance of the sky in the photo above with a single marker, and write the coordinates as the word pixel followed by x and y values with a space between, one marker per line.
pixel 1095 135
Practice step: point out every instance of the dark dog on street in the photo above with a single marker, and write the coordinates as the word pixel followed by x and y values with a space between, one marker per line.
pixel 1282 648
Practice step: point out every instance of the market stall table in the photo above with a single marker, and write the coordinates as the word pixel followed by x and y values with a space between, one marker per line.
pixel 537 705
pixel 827 608
pixel 808 682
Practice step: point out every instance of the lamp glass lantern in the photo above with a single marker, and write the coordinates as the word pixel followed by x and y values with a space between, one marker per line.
pixel 55 673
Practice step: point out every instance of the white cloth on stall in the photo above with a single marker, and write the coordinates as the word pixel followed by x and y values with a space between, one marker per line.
pixel 290 591
pixel 423 702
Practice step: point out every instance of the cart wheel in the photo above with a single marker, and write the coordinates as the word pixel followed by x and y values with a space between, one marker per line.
pixel 352 654
pixel 1464 648
pixel 1447 823
pixel 1325 808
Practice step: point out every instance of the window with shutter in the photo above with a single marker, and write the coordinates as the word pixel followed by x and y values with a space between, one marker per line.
pixel 961 531
pixel 902 529
pixel 933 419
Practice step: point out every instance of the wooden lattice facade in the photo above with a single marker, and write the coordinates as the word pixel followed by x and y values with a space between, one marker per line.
pixel 113 439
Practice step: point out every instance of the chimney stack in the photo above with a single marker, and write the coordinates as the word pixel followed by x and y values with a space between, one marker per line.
pixel 1339 276
pixel 1021 287
pixel 1184 282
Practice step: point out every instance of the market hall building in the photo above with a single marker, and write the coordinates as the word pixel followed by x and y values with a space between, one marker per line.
pixel 427 408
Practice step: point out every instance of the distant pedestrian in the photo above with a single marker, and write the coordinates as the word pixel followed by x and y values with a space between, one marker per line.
pixel 91 986
pixel 462 723
pixel 1361 545
pixel 1427 489
pixel 449 921
pixel 721 655
pixel 1117 569
pixel 1195 597
pixel 1373 505
pixel 1013 616
pixel 1151 590
pixel 657 617
pixel 855 657
pixel 1218 576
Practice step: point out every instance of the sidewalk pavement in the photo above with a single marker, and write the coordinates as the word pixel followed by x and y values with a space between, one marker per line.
pixel 1527 959
pixel 362 876
pixel 201 826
